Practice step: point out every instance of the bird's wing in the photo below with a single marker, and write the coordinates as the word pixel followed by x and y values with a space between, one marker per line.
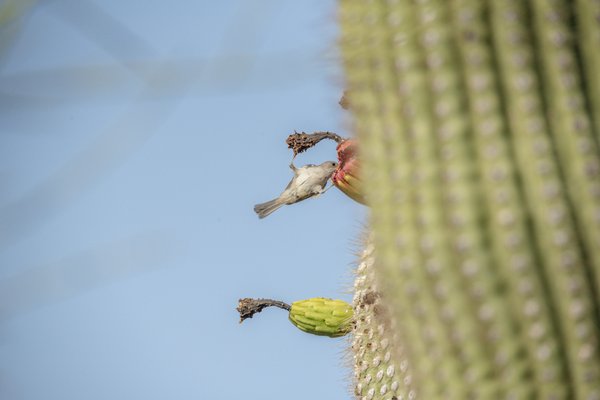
pixel 289 184
pixel 302 176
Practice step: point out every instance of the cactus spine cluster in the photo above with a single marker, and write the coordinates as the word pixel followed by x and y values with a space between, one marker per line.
pixel 479 130
pixel 381 369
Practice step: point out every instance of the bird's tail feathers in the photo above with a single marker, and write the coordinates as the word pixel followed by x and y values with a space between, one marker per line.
pixel 265 209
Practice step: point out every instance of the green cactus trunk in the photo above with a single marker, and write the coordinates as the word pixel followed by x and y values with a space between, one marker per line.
pixel 479 127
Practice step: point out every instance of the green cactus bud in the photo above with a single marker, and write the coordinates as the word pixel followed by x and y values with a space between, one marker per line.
pixel 321 316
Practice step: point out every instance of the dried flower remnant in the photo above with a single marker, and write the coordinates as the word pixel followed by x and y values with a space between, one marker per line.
pixel 301 141
pixel 247 307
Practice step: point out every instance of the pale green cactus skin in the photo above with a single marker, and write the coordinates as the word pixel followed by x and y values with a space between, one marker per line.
pixel 479 130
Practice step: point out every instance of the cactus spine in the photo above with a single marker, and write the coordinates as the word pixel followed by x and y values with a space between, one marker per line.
pixel 381 368
pixel 479 126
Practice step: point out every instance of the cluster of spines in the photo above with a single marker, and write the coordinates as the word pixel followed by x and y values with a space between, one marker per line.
pixel 381 370
pixel 480 164
pixel 366 43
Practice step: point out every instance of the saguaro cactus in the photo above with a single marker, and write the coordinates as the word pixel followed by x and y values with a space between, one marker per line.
pixel 479 126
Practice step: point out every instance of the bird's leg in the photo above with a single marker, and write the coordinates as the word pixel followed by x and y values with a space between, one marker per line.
pixel 320 190
pixel 292 166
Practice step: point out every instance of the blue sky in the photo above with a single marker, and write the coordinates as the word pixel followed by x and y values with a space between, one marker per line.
pixel 135 138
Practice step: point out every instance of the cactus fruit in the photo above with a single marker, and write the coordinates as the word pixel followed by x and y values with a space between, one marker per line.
pixel 479 134
pixel 321 316
pixel 346 177
pixel 318 316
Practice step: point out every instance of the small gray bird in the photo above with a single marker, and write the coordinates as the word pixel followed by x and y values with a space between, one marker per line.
pixel 308 181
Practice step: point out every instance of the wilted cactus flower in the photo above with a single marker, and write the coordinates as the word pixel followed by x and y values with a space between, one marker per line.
pixel 346 177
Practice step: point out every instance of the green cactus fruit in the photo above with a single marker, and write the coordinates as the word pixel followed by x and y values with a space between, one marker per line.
pixel 321 316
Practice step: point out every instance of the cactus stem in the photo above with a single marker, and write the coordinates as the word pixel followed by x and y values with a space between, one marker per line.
pixel 247 307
